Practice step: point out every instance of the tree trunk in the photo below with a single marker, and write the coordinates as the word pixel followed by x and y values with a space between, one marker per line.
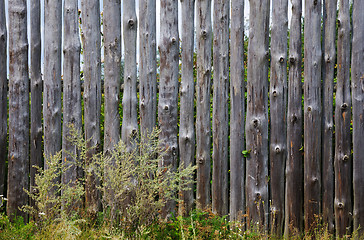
pixel 147 66
pixel 92 94
pixel 328 64
pixel 257 115
pixel 168 89
pixel 187 93
pixel 18 165
pixel 36 133
pixel 3 95
pixel 52 105
pixel 203 89
pixel 278 99
pixel 294 173
pixel 357 76
pixel 220 118
pixel 71 89
pixel 343 164
pixel 312 113
pixel 130 122
pixel 237 94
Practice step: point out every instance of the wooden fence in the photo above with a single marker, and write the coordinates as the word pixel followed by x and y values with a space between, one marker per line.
pixel 286 141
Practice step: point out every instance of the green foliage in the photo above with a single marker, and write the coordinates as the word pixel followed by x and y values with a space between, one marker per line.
pixel 16 229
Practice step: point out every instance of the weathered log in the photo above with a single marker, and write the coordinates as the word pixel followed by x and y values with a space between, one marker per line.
pixel 312 113
pixel 203 90
pixel 256 125
pixel 168 90
pixel 294 165
pixel 328 65
pixel 278 122
pixel 237 102
pixel 357 77
pixel 18 161
pixel 187 97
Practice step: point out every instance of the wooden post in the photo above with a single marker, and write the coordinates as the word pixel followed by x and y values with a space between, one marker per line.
pixel 168 89
pixel 357 77
pixel 278 123
pixel 203 90
pixel 343 162
pixel 18 163
pixel 312 113
pixel 294 165
pixel 147 66
pixel 71 89
pixel 187 97
pixel 257 178
pixel 3 95
pixel 92 94
pixel 237 112
pixel 328 65
pixel 130 122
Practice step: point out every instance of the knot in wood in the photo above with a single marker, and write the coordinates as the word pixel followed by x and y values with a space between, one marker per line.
pixel 292 59
pixel 309 109
pixel 344 106
pixel 340 205
pixel 166 107
pixel 128 78
pixel 131 23
pixel 173 40
pixel 274 93
pixel 345 158
pixel 174 152
pixel 278 149
pixel 142 104
pixel 255 123
pixel 204 34
pixel 200 161
pixel 134 132
pixel 281 59
pixel 315 2
pixel 293 118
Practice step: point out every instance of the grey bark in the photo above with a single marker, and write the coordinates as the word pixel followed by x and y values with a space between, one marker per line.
pixel 147 66
pixel 328 65
pixel 130 122
pixel 52 104
pixel 92 94
pixel 294 165
pixel 18 163
pixel 278 103
pixel 257 115
pixel 237 102
pixel 187 96
pixel 112 70
pixel 3 95
pixel 168 89
pixel 71 90
pixel 312 113
pixel 343 162
pixel 220 118
pixel 203 89
pixel 357 76
pixel 36 133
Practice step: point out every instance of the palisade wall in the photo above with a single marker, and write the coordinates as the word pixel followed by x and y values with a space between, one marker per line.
pixel 275 128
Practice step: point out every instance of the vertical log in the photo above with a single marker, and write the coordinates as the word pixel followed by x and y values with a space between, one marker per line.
pixel 343 163
pixel 294 172
pixel 147 66
pixel 52 105
pixel 220 118
pixel 3 95
pixel 203 89
pixel 168 89
pixel 71 87
pixel 257 115
pixel 112 60
pixel 312 113
pixel 130 122
pixel 357 79
pixel 36 91
pixel 92 94
pixel 18 164
pixel 237 94
pixel 187 96
pixel 278 98
pixel 328 64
